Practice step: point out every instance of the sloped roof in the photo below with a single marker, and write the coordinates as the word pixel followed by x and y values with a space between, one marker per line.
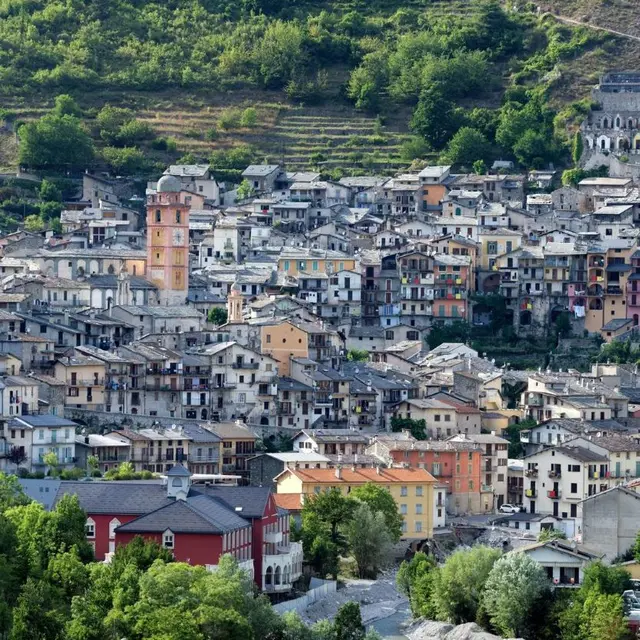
pixel 349 476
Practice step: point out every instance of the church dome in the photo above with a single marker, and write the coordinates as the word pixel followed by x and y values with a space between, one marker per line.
pixel 168 184
pixel 235 288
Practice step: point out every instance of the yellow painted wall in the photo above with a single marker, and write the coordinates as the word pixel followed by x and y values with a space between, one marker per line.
pixel 282 341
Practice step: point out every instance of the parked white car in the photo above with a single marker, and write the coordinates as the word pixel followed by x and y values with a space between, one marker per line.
pixel 509 508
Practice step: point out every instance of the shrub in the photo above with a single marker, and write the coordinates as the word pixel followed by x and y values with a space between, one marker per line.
pixel 230 119
pixel 249 118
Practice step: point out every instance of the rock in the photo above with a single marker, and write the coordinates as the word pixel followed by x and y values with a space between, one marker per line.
pixel 430 630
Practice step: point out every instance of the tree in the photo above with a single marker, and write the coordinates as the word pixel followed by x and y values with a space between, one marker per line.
pixel 369 540
pixel 17 456
pixel 479 167
pixel 358 355
pixel 418 428
pixel 51 460
pixel 512 594
pixel 456 332
pixel 217 316
pixel 577 148
pixel 416 579
pixel 603 617
pixel 467 146
pixel 380 500
pixel 34 224
pixel 92 464
pixel 11 492
pixel 49 191
pixel 35 616
pixel 55 142
pixel 605 579
pixel 460 583
pixel 249 118
pixel 435 118
pixel 532 149
pixel 125 161
pixel 244 190
pixel 348 622
pixel 65 105
pixel 323 517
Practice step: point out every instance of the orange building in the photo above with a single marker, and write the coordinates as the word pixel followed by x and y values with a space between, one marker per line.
pixel 452 282
pixel 168 241
pixel 456 465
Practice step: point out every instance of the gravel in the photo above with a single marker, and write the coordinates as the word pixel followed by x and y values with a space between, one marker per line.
pixel 377 598
pixel 429 630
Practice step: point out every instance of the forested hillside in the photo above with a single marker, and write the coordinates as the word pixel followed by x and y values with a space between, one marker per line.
pixel 345 85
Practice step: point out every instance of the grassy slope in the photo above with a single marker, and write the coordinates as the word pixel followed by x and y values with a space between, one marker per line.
pixel 294 132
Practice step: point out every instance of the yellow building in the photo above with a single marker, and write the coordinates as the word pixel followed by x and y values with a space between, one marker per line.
pixel 84 377
pixel 294 261
pixel 494 243
pixel 412 489
pixel 238 444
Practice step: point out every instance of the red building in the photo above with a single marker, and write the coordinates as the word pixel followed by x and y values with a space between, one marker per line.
pixel 198 524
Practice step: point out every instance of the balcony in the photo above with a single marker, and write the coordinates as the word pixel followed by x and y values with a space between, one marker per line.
pixel 245 365
pixel 531 473
pixel 281 569
pixel 229 468
pixel 555 473
pixel 205 457
pixel 274 537
pixel 123 457
pixel 535 401
pixel 486 488
pixel 86 382
pixel 196 387
pixel 531 493
pixel 324 399
pixel 554 495
pixel 614 290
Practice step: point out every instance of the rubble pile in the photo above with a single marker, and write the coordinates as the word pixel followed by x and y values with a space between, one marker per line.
pixel 430 630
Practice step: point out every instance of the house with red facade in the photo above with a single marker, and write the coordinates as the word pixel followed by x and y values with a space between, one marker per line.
pixel 198 524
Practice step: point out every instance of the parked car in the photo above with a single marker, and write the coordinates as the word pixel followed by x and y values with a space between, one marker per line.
pixel 509 508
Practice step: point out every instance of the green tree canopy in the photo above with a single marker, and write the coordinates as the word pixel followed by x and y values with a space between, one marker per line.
pixel 369 539
pixel 513 593
pixel 461 581
pixel 55 142
pixel 380 500
pixel 467 146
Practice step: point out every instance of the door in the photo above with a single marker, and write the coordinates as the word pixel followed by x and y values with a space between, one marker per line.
pixel 555 509
pixel 533 506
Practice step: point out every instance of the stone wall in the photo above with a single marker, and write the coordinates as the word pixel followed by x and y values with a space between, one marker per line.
pixel 617 169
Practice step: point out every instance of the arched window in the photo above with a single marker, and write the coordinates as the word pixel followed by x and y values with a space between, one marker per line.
pixel 90 528
pixel 278 577
pixel 605 123
pixel 113 525
pixel 458 211
pixel 268 579
pixel 618 122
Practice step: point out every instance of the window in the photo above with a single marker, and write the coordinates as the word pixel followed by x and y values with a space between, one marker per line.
pixel 158 215
pixel 403 491
pixel 90 528
pixel 418 491
pixel 113 525
pixel 178 217
pixel 574 487
pixel 167 539
pixel 418 526
pixel 492 248
pixel 419 508
pixel 403 509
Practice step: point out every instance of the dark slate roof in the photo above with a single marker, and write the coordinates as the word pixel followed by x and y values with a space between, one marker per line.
pixel 581 453
pixel 46 421
pixel 633 393
pixel 109 281
pixel 42 491
pixel 179 470
pixel 616 323
pixel 289 384
pixel 197 515
pixel 125 497
pixel 199 434
pixel 247 502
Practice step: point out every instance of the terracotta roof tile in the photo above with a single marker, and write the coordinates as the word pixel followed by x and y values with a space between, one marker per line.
pixel 364 475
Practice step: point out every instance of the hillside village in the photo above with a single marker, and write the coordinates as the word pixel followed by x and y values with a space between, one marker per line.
pixel 465 342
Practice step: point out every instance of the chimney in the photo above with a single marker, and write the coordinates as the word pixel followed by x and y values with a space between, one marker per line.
pixel 339 472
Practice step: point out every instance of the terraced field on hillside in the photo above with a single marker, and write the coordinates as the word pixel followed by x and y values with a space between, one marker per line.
pixel 301 137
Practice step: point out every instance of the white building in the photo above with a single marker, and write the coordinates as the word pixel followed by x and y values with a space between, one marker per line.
pixel 198 179
pixel 557 479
